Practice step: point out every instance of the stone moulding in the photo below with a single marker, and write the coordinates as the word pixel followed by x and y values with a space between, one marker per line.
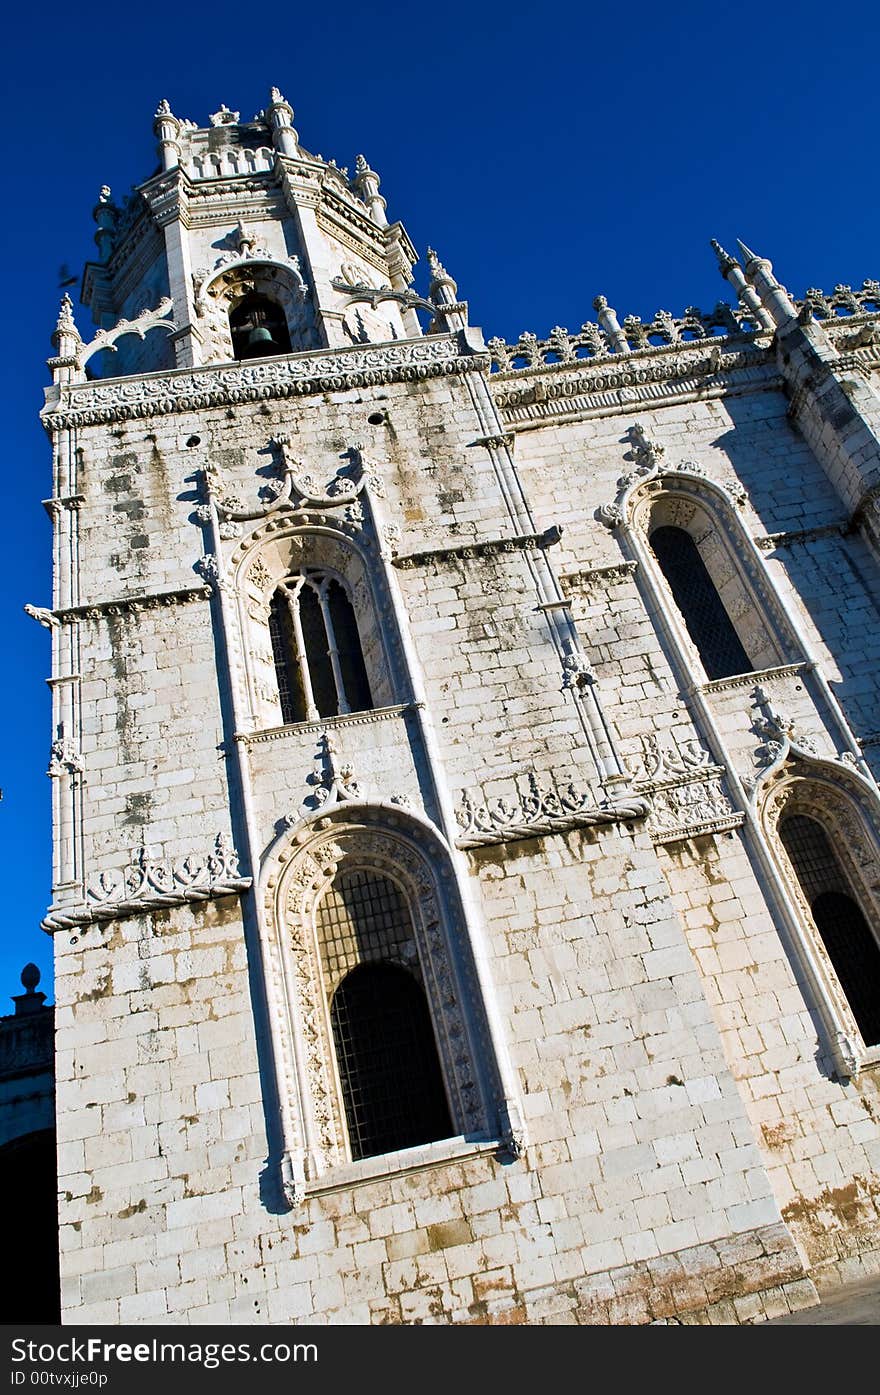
pixel 770 541
pixel 146 884
pixel 321 724
pixel 122 605
pixel 750 678
pixel 598 576
pixel 608 382
pixel 465 550
pixel 539 811
pixel 294 375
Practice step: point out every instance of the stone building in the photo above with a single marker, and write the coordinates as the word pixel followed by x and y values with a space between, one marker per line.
pixel 467 838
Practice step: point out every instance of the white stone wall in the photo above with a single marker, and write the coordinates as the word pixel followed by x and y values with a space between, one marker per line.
pixel 670 1132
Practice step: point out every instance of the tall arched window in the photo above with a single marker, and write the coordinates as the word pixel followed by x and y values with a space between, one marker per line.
pixel 259 327
pixel 390 1075
pixel 849 940
pixel 319 662
pixel 693 590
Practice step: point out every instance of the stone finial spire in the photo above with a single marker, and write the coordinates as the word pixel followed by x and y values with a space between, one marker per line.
pixel 725 261
pixel 279 115
pixel 105 214
pixel 440 279
pixel 771 293
pixel 611 325
pixel 67 343
pixel 366 182
pixel 443 291
pixel 166 129
pixel 66 337
pixel 733 273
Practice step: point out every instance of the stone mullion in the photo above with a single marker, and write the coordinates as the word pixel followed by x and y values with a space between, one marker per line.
pixel 292 597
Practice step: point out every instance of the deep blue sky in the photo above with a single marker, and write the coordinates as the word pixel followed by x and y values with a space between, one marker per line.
pixel 549 152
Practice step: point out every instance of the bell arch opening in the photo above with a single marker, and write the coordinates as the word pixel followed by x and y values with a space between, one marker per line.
pixel 258 326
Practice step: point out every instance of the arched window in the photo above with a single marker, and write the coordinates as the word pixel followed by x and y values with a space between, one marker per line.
pixel 316 646
pixel 389 1069
pixel 392 1086
pixel 259 327
pixel 849 940
pixel 693 590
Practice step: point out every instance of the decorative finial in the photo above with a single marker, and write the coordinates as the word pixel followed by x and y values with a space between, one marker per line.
pixel 163 109
pixel 275 96
pixel 360 165
pixel 66 323
pixel 30 1000
pixel 725 261
pixel 224 117
pixel 244 238
pixel 30 977
pixel 439 275
pixel 747 253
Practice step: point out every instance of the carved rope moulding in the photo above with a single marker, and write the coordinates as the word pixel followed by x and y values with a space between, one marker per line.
pixel 147 883
pixel 537 811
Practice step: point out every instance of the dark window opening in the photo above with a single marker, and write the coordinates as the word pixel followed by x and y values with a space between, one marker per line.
pixel 259 328
pixel 693 590
pixel 846 934
pixel 316 646
pixel 352 668
pixel 317 655
pixel 392 1083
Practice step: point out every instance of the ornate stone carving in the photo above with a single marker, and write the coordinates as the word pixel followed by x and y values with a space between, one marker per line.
pixel 293 375
pixel 488 548
pixel 686 791
pixel 148 319
pixel 123 605
pixel 333 781
pixel 147 884
pixel 64 758
pixel 538 810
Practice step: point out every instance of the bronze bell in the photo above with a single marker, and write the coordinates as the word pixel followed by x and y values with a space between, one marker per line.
pixel 258 337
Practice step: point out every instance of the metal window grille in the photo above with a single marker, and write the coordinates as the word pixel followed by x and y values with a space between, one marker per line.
pixel 363 917
pixel 388 1065
pixel 852 947
pixel 293 707
pixel 693 590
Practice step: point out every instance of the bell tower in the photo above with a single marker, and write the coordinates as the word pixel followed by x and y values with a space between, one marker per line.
pixel 354 899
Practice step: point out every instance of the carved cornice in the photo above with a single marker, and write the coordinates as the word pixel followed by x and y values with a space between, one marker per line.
pixel 521 543
pixel 616 380
pixel 125 604
pixel 294 375
pixel 146 884
pixel 750 679
pixel 598 576
pixel 323 724
pixel 537 811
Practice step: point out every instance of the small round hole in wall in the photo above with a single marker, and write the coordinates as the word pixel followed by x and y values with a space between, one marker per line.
pixel 376 418
pixel 194 441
